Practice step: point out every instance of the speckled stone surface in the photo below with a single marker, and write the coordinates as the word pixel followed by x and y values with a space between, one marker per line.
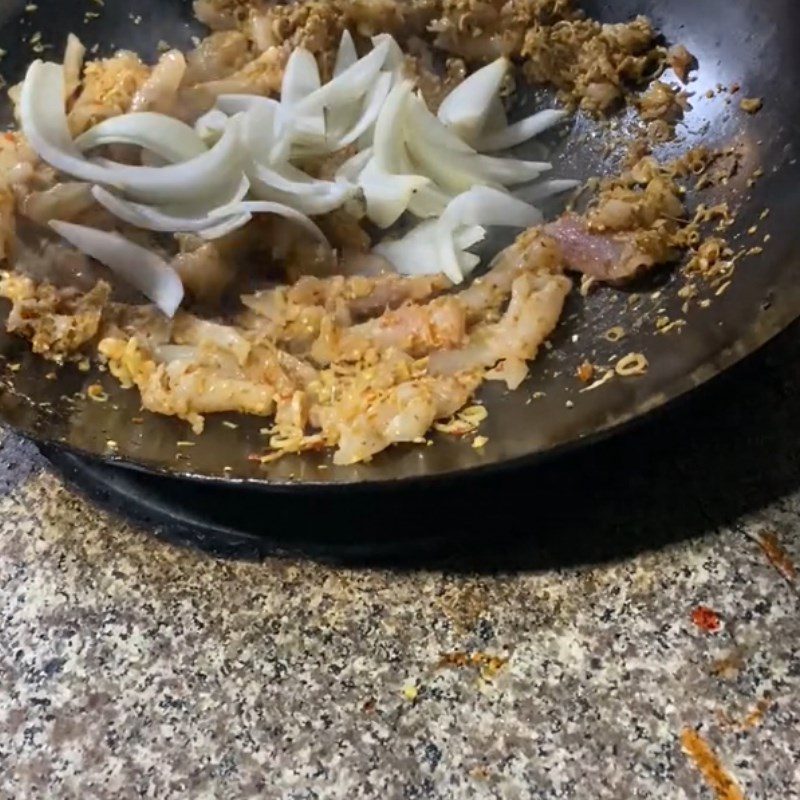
pixel 130 667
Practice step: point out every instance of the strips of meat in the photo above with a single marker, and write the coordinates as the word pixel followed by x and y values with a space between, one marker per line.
pixel 413 329
pixel 194 382
pixel 537 301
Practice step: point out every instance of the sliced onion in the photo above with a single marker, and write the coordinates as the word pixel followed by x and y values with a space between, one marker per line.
pixel 165 220
pixel 43 119
pixel 429 201
pixel 386 181
pixel 373 102
pixel 544 189
pixel 480 206
pixel 521 131
pixel 395 58
pixel 211 125
pixel 346 55
pixel 350 85
pixel 465 109
pixel 294 181
pixel 165 136
pixel 228 225
pixel 390 129
pixel 240 103
pixel 351 169
pixel 188 181
pixel 310 205
pixel 420 121
pixel 342 116
pixel 44 124
pixel 140 267
pixel 469 236
pixel 414 253
pixel 300 80
pixel 279 209
pixel 483 205
pixel 458 172
pixel 387 195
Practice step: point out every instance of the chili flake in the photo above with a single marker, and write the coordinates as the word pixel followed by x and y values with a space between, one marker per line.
pixel 706 619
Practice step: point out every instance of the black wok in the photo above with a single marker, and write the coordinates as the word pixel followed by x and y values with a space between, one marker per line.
pixel 748 42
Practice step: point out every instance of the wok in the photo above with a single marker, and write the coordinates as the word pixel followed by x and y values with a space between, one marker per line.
pixel 748 42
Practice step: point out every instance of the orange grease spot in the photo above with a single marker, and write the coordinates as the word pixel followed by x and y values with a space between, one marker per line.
pixel 709 766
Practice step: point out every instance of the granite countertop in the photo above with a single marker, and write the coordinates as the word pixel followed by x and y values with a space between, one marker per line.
pixel 637 643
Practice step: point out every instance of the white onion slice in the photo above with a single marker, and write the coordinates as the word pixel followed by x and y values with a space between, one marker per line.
pixel 483 205
pixel 228 225
pixel 469 236
pixel 211 125
pixel 279 209
pixel 188 181
pixel 351 84
pixel 545 189
pixel 165 219
pixel 395 58
pixel 416 252
pixel 429 201
pixel 140 267
pixel 232 104
pixel 465 109
pixel 73 65
pixel 165 136
pixel 346 55
pixel 310 205
pixel 458 172
pixel 287 178
pixel 421 122
pixel 387 195
pixel 342 116
pixel 519 132
pixel 389 144
pixel 387 186
pixel 373 102
pixel 300 80
pixel 350 170
pixel 44 124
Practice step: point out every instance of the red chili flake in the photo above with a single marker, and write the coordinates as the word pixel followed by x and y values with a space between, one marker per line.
pixel 706 619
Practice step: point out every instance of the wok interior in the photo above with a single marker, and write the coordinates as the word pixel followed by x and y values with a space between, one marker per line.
pixel 744 43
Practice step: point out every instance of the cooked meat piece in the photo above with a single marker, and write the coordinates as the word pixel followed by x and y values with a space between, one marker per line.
pixel 205 273
pixel 57 321
pixel 606 257
pixel 661 101
pixel 197 381
pixel 262 75
pixel 403 413
pixel 217 56
pixel 531 252
pixel 108 88
pixel 413 329
pixel 537 301
pixel 681 60
pixel 160 91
